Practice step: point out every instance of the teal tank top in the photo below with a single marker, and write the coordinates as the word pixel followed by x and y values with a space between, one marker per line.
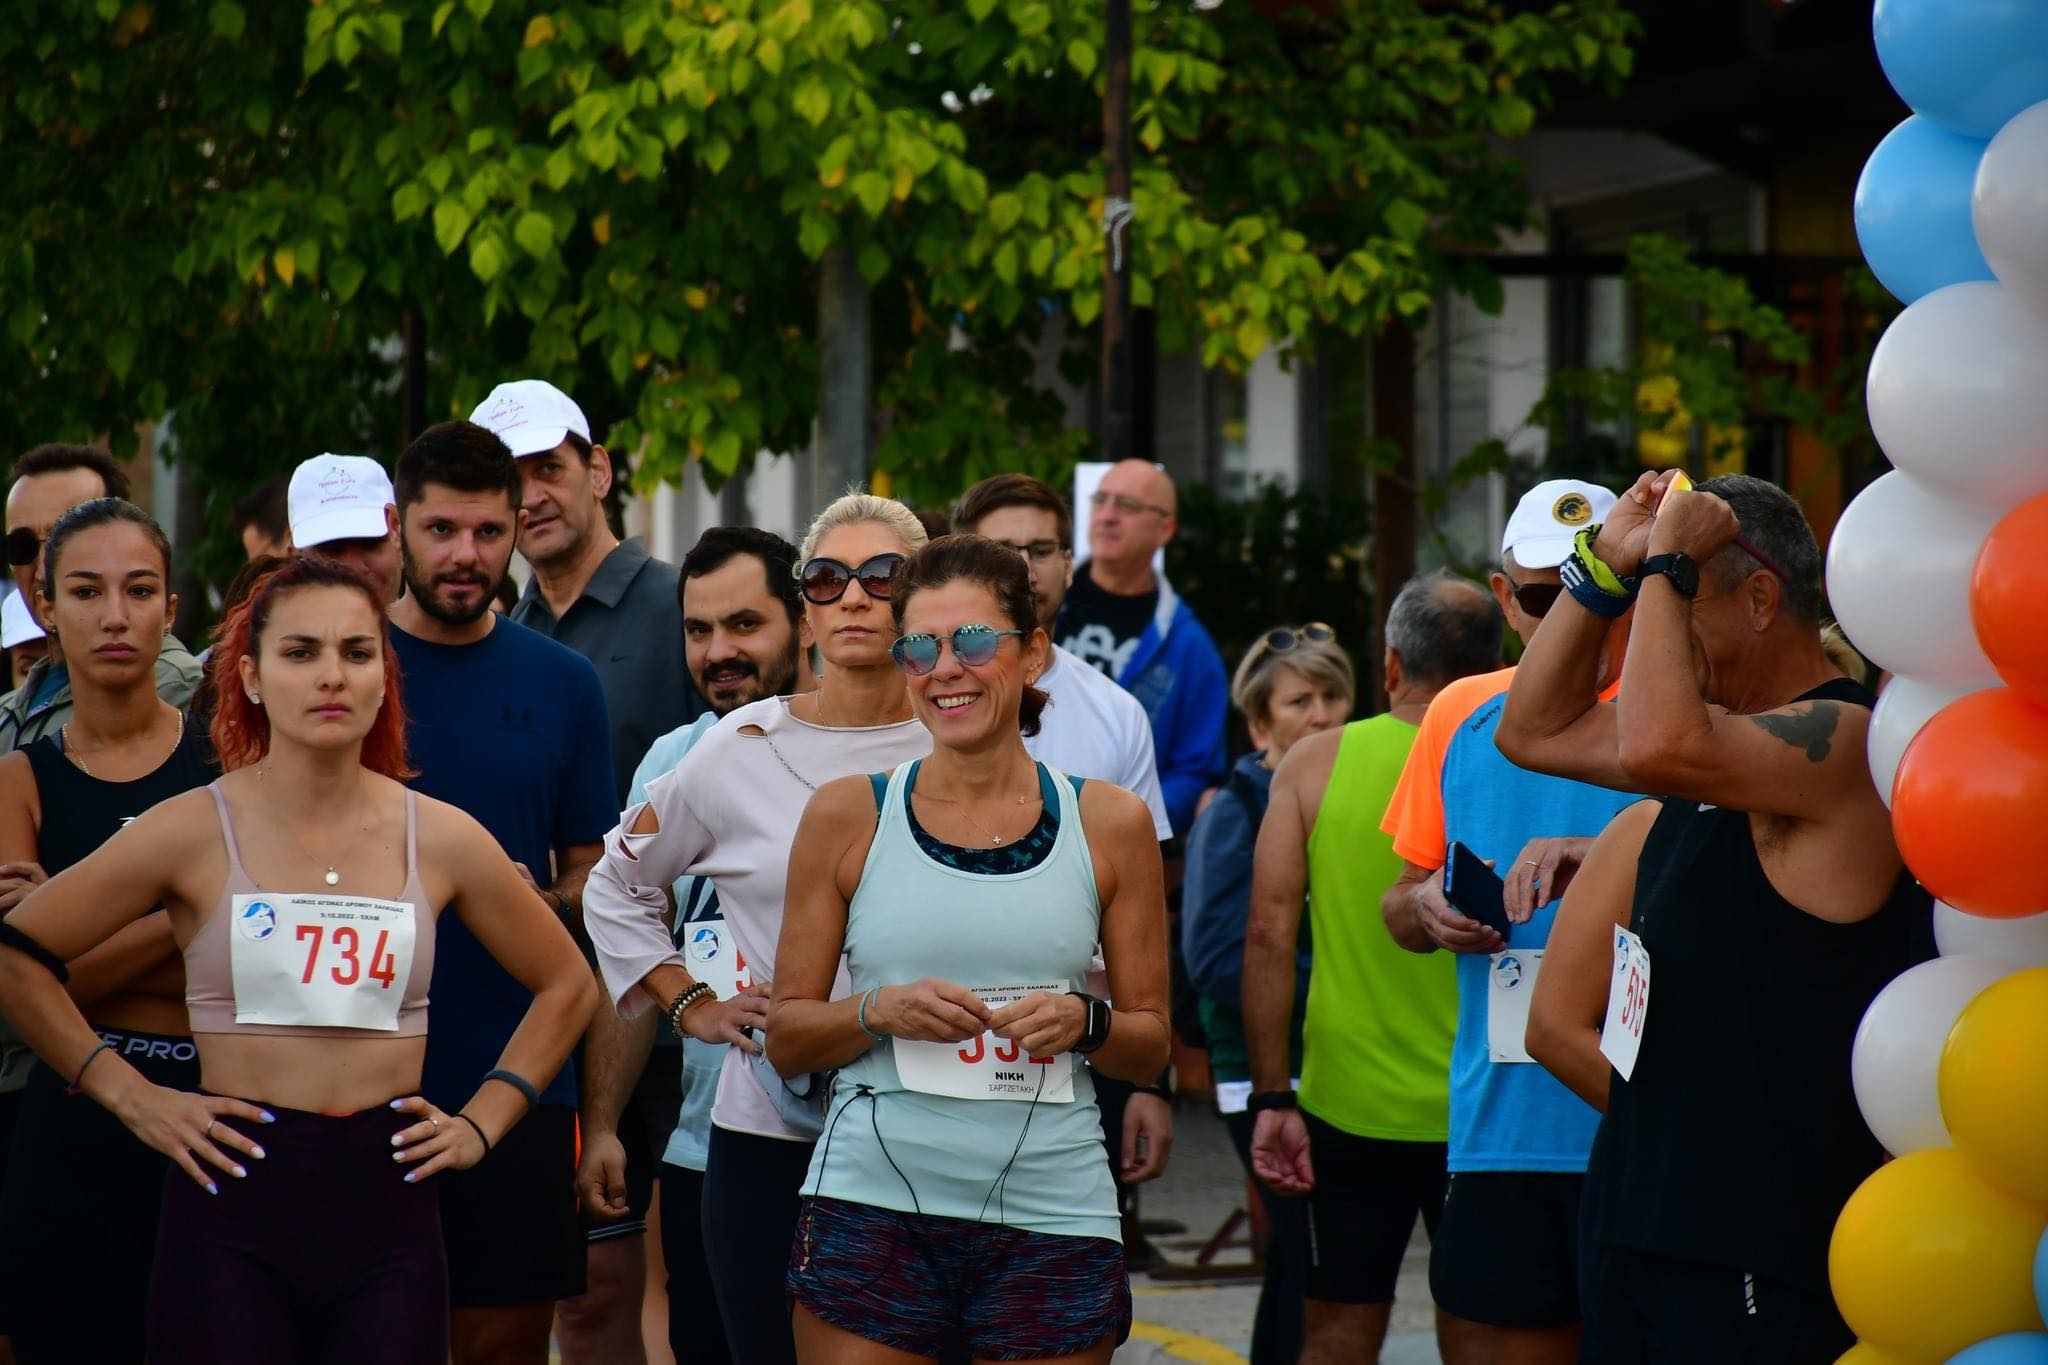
pixel 1030 1164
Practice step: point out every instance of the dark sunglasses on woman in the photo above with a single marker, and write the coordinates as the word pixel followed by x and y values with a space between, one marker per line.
pixel 973 646
pixel 824 580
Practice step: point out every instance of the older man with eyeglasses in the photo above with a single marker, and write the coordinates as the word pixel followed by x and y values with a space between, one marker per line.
pixel 1122 617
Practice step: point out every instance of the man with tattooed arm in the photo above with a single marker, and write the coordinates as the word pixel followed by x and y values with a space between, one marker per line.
pixel 1750 910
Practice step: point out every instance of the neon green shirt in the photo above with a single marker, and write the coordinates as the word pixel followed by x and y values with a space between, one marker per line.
pixel 1380 1018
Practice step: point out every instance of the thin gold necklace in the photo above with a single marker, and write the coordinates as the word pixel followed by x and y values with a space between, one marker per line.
pixel 994 840
pixel 64 734
pixel 331 876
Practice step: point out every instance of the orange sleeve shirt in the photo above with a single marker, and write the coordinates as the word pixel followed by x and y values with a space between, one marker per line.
pixel 1415 817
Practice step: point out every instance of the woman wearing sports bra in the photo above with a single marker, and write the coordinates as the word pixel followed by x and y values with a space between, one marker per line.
pixel 78 1204
pixel 958 1202
pixel 303 889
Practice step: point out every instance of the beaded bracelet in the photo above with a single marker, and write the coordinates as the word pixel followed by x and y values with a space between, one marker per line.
pixel 678 1007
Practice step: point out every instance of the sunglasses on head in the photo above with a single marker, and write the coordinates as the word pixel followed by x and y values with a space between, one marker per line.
pixel 22 546
pixel 973 646
pixel 1280 639
pixel 824 580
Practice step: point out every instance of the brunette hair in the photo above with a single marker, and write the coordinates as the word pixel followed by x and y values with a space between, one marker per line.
pixel 241 728
pixel 994 566
pixel 1014 490
pixel 107 511
pixel 58 458
pixel 458 455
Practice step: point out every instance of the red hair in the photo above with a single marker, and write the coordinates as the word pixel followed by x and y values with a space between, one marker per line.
pixel 241 728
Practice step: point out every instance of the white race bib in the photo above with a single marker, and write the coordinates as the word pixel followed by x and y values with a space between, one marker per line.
pixel 1510 982
pixel 320 961
pixel 715 957
pixel 1628 1003
pixel 986 1067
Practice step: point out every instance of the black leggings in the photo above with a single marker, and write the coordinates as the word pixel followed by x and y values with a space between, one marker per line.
pixel 750 1212
pixel 78 1213
pixel 322 1256
pixel 1277 1329
pixel 696 1330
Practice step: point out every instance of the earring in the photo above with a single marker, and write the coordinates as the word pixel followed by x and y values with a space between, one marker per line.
pixel 255 700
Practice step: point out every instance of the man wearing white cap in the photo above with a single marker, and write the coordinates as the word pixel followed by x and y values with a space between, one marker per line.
pixel 21 636
pixel 620 608
pixel 1504 1260
pixel 343 506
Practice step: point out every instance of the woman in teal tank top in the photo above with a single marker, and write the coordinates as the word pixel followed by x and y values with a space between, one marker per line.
pixel 960 1200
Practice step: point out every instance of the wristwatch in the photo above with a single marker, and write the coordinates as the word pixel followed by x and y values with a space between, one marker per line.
pixel 1271 1099
pixel 1679 568
pixel 1097 1031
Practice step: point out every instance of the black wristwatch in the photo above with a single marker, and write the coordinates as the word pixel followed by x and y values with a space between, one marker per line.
pixel 1676 566
pixel 1271 1099
pixel 1097 1031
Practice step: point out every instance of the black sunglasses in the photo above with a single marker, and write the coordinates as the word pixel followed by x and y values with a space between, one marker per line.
pixel 973 645
pixel 1535 599
pixel 824 580
pixel 22 546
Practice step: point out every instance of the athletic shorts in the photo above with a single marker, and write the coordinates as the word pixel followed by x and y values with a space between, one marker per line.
pixel 646 1121
pixel 1506 1251
pixel 1641 1306
pixel 933 1286
pixel 1362 1211
pixel 510 1221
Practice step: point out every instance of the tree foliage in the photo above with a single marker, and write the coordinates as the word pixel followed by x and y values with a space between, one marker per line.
pixel 233 210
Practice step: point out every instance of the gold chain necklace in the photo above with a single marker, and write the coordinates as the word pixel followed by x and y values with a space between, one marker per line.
pixel 331 876
pixel 994 840
pixel 64 735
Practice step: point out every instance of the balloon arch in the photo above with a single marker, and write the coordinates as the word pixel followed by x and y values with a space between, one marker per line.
pixel 1939 573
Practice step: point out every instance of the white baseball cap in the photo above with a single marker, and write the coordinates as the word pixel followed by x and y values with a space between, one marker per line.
pixel 1549 517
pixel 531 416
pixel 17 626
pixel 338 497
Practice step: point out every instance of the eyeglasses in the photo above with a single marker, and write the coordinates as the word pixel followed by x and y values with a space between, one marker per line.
pixel 1126 504
pixel 1040 550
pixel 824 580
pixel 973 646
pixel 1535 599
pixel 22 546
pixel 1281 639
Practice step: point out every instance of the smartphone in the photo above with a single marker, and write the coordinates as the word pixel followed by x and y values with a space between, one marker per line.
pixel 1474 890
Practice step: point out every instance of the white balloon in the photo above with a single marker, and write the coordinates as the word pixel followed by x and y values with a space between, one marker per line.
pixel 2022 942
pixel 2009 206
pixel 1897 1054
pixel 1905 705
pixel 1958 393
pixel 1899 580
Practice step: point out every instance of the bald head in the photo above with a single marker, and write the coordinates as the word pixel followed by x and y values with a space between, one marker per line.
pixel 1132 517
pixel 1442 628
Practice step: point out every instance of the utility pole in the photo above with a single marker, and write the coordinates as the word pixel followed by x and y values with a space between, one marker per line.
pixel 1117 213
pixel 1394 486
pixel 845 378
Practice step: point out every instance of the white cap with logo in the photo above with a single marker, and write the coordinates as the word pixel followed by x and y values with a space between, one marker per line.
pixel 1549 517
pixel 17 626
pixel 531 416
pixel 338 497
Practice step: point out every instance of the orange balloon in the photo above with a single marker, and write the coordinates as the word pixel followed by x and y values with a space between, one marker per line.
pixel 1968 803
pixel 2007 590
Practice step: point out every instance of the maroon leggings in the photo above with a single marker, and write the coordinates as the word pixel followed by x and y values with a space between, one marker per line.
pixel 323 1254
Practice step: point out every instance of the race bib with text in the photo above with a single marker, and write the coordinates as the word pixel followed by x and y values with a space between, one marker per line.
pixel 986 1067
pixel 1510 982
pixel 715 957
pixel 319 961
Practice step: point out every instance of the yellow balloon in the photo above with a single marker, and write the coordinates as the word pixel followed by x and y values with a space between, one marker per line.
pixel 1862 1353
pixel 1994 1082
pixel 1929 1257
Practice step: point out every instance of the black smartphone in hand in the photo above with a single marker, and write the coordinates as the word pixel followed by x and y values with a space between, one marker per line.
pixel 1474 889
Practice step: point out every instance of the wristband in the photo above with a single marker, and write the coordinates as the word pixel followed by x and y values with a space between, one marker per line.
pixel 1578 582
pixel 80 1077
pixel 1603 576
pixel 479 1132
pixel 1272 1099
pixel 517 1082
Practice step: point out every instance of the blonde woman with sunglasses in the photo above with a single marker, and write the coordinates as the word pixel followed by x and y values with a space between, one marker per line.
pixel 729 812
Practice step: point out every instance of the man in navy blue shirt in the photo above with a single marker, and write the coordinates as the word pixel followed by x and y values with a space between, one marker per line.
pixel 511 727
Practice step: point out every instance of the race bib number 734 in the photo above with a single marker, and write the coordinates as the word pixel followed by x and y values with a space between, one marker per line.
pixel 320 961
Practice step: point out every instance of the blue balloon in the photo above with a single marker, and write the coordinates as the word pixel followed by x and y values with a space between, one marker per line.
pixel 2014 1348
pixel 1967 64
pixel 1913 210
pixel 2041 1277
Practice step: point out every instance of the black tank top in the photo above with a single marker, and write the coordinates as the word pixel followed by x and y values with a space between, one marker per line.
pixel 80 812
pixel 1738 1140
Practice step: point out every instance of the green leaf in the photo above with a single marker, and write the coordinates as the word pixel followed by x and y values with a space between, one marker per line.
pixel 408 201
pixel 441 14
pixel 257 114
pixel 228 21
pixel 1081 56
pixel 451 221
pixel 1513 116
pixel 535 233
pixel 872 189
pixel 812 102
pixel 1251 337
pixel 344 277
pixel 120 353
pixel 723 453
pixel 715 151
pixel 487 256
pixel 873 262
pixel 1411 302
pixel 1406 220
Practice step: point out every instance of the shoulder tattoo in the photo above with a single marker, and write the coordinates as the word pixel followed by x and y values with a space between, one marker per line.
pixel 1810 727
